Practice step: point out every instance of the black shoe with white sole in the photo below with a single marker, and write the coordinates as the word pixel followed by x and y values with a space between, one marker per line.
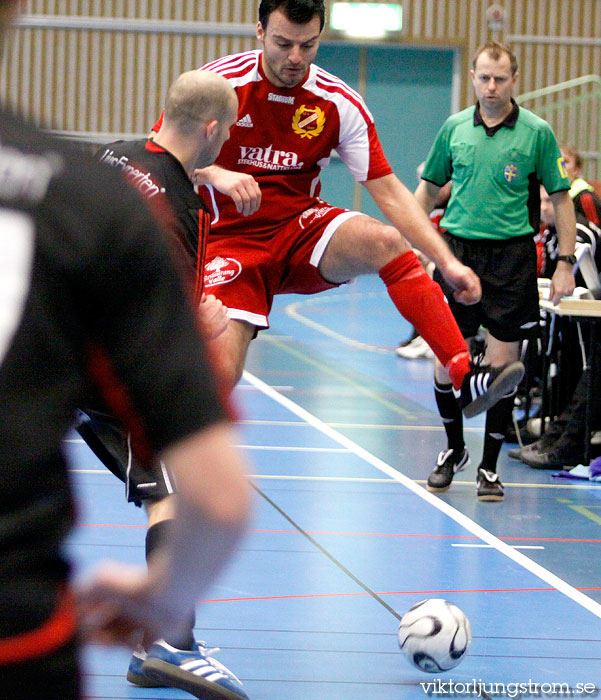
pixel 489 486
pixel 449 462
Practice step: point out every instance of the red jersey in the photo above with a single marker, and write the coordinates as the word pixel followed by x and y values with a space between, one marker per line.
pixel 284 138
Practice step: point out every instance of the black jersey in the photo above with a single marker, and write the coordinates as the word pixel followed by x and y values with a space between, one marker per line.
pixel 89 300
pixel 586 232
pixel 161 178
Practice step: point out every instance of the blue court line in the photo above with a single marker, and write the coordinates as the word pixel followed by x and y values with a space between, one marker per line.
pixel 516 556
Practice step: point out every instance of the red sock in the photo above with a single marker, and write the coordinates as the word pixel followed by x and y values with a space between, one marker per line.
pixel 421 301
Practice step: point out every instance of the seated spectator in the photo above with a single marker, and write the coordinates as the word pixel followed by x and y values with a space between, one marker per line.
pixel 587 232
pixel 586 201
pixel 562 444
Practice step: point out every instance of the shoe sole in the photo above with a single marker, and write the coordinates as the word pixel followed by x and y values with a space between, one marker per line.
pixel 509 378
pixel 438 489
pixel 491 498
pixel 172 676
pixel 142 681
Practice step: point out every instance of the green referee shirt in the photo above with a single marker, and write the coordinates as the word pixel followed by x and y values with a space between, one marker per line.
pixel 496 172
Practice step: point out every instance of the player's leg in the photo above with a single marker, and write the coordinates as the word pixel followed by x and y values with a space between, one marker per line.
pixel 362 245
pixel 415 347
pixel 103 435
pixel 180 662
pixel 155 489
pixel 511 314
pixel 243 272
pixel 230 350
pixel 498 418
pixel 456 457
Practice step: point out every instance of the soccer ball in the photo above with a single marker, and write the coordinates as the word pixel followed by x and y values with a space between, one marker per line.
pixel 434 635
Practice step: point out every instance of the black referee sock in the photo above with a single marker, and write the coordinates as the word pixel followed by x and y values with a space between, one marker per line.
pixel 154 539
pixel 497 422
pixel 450 412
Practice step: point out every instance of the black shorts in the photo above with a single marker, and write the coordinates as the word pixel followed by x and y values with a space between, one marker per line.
pixel 111 445
pixel 507 271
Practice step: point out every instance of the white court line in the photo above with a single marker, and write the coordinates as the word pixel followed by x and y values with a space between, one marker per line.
pixel 485 546
pixel 366 426
pixel 473 527
pixel 244 387
pixel 288 448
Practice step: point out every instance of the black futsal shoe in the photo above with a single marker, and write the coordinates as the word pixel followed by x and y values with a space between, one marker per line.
pixel 489 486
pixel 449 462
pixel 484 385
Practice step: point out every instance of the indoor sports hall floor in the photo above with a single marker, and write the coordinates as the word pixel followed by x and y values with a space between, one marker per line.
pixel 341 435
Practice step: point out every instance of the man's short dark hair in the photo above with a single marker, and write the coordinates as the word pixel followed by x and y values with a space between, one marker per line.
pixel 299 11
pixel 495 50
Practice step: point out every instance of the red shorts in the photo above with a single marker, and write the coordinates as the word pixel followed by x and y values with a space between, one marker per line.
pixel 246 272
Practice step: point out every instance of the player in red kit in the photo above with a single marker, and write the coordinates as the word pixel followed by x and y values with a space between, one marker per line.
pixel 273 234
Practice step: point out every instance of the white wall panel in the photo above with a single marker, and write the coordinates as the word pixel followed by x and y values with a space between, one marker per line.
pixel 115 81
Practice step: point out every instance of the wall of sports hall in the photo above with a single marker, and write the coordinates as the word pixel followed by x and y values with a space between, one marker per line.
pixel 99 68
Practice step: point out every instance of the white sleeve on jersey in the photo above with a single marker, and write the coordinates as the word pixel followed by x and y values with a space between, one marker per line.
pixel 359 147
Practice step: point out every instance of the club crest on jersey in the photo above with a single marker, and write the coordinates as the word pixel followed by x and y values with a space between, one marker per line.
pixel 510 172
pixel 308 122
pixel 221 271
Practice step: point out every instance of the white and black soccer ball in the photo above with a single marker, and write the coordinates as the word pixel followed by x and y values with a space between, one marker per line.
pixel 434 635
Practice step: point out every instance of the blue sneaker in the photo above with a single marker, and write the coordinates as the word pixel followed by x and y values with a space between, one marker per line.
pixel 196 672
pixel 136 675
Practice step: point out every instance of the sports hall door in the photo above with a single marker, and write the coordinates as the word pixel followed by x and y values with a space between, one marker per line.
pixel 409 92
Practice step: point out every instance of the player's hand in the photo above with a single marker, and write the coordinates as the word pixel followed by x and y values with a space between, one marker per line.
pixel 465 282
pixel 117 604
pixel 213 316
pixel 562 282
pixel 241 187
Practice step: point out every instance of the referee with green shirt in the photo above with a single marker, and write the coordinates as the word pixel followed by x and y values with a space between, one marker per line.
pixel 496 155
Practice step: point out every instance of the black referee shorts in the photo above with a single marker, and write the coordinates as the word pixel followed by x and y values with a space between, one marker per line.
pixel 507 271
pixel 103 435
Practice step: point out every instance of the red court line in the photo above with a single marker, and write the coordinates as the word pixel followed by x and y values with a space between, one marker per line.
pixel 426 593
pixel 382 534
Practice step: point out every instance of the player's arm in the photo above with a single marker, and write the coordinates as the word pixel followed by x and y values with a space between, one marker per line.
pixel 241 187
pixel 426 195
pixel 562 283
pixel 119 603
pixel 403 210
